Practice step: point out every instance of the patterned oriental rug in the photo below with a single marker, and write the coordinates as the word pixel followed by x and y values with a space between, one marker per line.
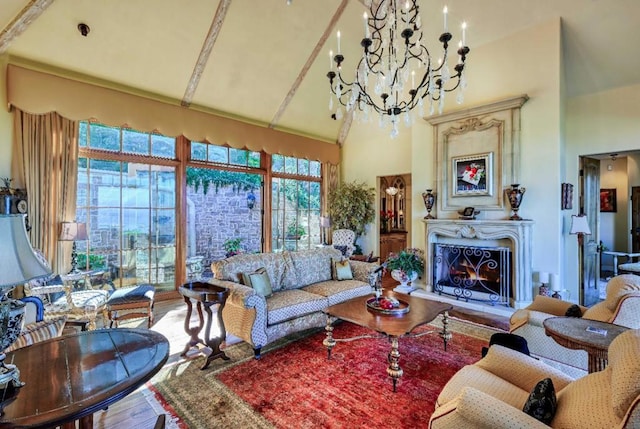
pixel 294 385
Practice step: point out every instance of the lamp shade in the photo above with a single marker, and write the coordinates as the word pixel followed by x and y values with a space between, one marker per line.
pixel 325 222
pixel 73 231
pixel 18 261
pixel 579 225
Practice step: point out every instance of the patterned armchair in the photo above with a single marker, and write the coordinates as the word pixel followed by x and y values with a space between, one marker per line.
pixel 621 307
pixel 492 393
pixel 73 297
pixel 344 237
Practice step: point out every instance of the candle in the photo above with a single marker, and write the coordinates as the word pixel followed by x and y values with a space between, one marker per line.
pixel 338 41
pixel 444 12
pixel 555 282
pixel 366 24
pixel 330 60
pixel 464 33
pixel 543 277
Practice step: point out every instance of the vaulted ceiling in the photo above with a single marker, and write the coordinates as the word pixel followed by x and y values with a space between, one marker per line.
pixel 265 61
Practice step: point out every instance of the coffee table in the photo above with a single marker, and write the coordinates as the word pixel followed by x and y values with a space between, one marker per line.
pixel 578 334
pixel 393 326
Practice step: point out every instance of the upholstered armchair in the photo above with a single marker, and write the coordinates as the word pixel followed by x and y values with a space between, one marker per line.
pixel 492 393
pixel 621 307
pixel 344 237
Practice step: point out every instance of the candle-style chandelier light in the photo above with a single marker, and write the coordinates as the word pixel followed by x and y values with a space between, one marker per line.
pixel 396 72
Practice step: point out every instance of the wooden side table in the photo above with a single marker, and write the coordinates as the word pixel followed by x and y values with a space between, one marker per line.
pixel 592 336
pixel 207 295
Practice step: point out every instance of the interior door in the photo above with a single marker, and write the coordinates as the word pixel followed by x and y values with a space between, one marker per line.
pixel 589 293
pixel 635 219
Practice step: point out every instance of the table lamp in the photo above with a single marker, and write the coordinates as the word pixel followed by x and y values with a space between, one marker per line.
pixel 580 227
pixel 73 231
pixel 18 265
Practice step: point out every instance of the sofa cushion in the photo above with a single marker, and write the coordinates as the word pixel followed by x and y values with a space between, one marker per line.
pixel 312 266
pixel 625 370
pixel 289 304
pixel 339 291
pixel 232 268
pixel 259 281
pixel 485 381
pixel 341 270
pixel 541 403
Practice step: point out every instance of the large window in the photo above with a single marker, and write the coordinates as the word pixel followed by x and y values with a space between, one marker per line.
pixel 295 203
pixel 128 196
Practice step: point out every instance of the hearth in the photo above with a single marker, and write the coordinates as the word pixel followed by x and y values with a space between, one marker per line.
pixel 473 272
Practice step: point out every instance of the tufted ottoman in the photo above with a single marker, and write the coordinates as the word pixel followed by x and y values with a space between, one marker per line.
pixel 131 303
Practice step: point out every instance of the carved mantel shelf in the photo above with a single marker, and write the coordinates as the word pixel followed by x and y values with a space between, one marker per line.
pixel 487 232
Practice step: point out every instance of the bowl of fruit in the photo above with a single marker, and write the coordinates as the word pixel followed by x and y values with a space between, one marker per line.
pixel 388 305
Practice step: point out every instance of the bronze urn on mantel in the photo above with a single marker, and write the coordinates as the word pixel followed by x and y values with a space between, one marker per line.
pixel 429 199
pixel 515 195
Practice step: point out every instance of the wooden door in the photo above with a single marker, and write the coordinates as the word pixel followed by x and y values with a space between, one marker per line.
pixel 589 293
pixel 635 219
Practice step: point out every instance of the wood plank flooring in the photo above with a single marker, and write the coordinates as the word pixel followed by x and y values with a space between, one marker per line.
pixel 135 411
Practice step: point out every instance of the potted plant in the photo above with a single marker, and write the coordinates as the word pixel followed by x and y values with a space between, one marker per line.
pixel 232 247
pixel 405 266
pixel 295 231
pixel 352 206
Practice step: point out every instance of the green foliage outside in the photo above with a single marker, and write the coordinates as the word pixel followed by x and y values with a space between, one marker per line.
pixel 294 230
pixel 232 246
pixel 352 206
pixel 95 261
pixel 204 177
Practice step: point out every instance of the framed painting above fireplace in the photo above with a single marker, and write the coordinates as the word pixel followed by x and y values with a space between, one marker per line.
pixel 472 175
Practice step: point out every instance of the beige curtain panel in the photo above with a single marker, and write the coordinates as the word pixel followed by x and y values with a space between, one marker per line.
pixel 45 163
pixel 37 92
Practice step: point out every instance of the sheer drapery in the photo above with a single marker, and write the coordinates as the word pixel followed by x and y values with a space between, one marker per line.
pixel 330 180
pixel 45 163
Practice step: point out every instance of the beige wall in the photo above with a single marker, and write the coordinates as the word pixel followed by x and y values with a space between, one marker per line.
pixel 6 133
pixel 614 227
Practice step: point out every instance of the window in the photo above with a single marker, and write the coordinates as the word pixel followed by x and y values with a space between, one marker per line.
pixel 295 203
pixel 129 207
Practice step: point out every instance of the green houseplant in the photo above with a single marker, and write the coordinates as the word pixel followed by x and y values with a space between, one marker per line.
pixel 232 246
pixel 405 267
pixel 352 206
pixel 295 231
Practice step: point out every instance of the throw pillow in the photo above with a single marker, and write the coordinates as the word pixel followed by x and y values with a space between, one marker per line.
pixel 341 270
pixel 259 281
pixel 542 401
pixel 342 249
pixel 573 311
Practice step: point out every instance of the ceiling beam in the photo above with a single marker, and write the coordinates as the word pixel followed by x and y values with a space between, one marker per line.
pixel 27 15
pixel 205 52
pixel 305 69
pixel 345 128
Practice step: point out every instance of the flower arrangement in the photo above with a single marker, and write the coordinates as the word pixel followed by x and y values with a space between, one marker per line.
pixel 386 216
pixel 410 260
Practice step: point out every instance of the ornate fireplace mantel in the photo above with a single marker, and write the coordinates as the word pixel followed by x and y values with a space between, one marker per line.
pixel 514 234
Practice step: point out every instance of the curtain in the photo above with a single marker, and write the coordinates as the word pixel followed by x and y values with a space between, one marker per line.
pixel 45 163
pixel 330 176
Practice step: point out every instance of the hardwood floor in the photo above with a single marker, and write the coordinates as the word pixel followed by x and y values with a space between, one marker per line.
pixel 136 411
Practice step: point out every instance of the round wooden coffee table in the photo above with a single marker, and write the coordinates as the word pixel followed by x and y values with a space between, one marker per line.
pixel 592 336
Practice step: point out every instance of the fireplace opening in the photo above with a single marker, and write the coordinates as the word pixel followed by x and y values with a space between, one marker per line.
pixel 473 272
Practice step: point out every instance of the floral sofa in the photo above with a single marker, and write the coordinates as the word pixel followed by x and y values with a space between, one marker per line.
pixel 493 392
pixel 302 284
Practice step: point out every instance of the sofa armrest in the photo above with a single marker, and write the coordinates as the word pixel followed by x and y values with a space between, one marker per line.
pixel 363 270
pixel 239 294
pixel 521 370
pixel 628 311
pixel 476 409
pixel 540 309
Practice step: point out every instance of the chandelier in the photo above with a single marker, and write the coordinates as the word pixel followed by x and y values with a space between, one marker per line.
pixel 396 72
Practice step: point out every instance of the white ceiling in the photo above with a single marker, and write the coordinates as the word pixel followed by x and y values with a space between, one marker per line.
pixel 268 62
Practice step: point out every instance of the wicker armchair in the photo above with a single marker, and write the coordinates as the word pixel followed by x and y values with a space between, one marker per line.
pixel 621 307
pixel 344 237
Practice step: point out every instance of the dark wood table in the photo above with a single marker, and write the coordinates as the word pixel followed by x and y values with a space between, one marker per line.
pixel 69 378
pixel 394 326
pixel 206 294
pixel 572 333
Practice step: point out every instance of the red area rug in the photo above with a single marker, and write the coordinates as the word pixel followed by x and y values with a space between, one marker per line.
pixel 297 387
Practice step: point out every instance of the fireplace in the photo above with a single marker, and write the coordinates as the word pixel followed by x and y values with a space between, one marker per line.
pixel 516 290
pixel 473 272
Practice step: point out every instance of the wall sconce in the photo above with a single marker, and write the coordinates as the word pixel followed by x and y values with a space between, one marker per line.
pixel 580 227
pixel 251 200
